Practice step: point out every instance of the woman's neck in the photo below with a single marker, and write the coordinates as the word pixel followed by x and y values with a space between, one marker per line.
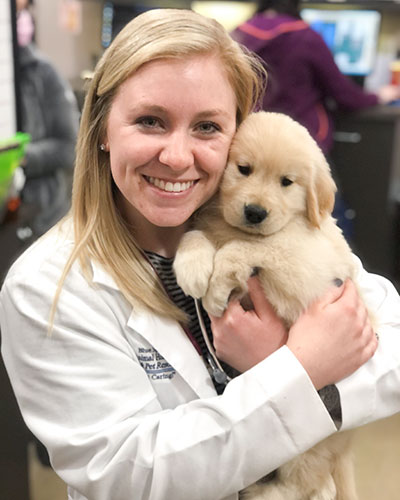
pixel 160 240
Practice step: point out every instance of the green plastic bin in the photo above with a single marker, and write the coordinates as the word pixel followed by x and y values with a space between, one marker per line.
pixel 11 152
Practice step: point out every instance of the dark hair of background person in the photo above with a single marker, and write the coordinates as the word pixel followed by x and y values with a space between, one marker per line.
pixel 290 7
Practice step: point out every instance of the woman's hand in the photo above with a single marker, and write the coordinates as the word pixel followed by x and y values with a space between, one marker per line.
pixel 331 339
pixel 244 338
pixel 334 337
pixel 388 93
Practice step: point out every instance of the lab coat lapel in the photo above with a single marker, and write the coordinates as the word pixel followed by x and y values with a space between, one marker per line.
pixel 169 339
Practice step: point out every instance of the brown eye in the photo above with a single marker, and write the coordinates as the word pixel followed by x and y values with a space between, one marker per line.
pixel 244 170
pixel 285 181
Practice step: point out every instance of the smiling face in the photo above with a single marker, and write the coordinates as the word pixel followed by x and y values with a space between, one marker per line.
pixel 168 135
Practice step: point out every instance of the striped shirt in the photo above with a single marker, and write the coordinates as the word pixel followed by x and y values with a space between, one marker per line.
pixel 163 268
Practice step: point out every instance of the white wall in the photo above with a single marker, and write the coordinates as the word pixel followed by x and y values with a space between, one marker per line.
pixel 7 93
pixel 70 53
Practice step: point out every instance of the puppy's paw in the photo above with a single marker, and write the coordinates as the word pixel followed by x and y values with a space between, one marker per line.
pixel 229 281
pixel 193 278
pixel 193 269
pixel 215 302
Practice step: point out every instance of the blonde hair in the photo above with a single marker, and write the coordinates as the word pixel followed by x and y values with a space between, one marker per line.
pixel 100 231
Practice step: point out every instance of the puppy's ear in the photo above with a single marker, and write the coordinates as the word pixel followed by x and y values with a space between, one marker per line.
pixel 320 193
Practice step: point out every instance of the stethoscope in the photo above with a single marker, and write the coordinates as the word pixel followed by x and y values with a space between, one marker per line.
pixel 217 372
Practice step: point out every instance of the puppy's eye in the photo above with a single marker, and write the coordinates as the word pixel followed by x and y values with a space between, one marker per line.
pixel 244 169
pixel 285 181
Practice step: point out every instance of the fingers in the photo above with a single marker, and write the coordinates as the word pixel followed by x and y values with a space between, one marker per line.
pixel 261 305
pixel 242 338
pixel 334 293
pixel 233 309
pixel 371 339
pixel 362 330
pixel 339 331
pixel 339 291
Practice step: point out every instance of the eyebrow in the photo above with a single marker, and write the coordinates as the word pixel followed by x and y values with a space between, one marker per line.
pixel 154 108
pixel 212 112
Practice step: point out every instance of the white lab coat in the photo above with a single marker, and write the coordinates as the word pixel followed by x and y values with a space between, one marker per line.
pixel 126 406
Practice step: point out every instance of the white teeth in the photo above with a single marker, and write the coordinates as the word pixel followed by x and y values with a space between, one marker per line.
pixel 157 182
pixel 170 187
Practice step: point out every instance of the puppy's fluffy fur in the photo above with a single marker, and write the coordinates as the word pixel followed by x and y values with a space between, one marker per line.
pixel 273 213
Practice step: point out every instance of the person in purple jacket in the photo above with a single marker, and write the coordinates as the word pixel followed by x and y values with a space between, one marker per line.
pixel 303 77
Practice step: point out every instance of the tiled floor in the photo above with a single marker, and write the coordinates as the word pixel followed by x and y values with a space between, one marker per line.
pixel 377 457
pixel 377 454
pixel 44 483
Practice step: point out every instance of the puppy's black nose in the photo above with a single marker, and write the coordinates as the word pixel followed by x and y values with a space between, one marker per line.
pixel 254 214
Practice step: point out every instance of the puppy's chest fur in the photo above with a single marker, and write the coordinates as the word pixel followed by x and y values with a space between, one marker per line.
pixel 296 265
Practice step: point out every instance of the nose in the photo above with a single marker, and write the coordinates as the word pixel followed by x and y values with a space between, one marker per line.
pixel 177 151
pixel 254 214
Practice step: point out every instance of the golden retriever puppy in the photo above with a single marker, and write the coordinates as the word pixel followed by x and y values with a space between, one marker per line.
pixel 273 214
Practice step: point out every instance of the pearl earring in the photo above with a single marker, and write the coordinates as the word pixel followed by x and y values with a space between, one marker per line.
pixel 102 147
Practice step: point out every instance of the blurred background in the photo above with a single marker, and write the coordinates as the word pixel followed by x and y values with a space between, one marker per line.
pixel 71 35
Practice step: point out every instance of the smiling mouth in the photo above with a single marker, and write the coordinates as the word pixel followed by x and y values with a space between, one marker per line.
pixel 170 187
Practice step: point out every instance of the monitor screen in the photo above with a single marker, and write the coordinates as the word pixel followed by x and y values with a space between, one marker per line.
pixel 116 16
pixel 351 35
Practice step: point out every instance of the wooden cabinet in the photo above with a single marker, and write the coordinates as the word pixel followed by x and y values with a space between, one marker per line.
pixel 366 155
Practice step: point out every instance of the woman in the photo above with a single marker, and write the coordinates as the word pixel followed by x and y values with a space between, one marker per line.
pixel 118 391
pixel 304 80
pixel 49 113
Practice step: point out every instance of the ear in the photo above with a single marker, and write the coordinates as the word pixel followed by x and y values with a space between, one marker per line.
pixel 320 193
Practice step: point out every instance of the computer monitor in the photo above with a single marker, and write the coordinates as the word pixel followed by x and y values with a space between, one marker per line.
pixel 116 15
pixel 352 36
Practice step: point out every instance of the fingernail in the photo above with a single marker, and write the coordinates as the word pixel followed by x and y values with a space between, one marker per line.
pixel 338 282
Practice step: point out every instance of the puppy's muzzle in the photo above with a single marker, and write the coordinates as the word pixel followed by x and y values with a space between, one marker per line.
pixel 254 214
